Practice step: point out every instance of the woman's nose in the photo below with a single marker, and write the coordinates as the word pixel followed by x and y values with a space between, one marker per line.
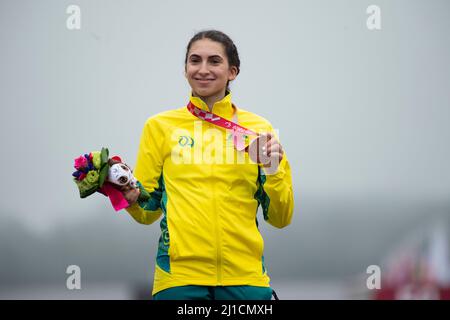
pixel 203 69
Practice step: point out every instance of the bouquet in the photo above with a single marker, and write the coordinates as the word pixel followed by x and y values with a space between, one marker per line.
pixel 97 173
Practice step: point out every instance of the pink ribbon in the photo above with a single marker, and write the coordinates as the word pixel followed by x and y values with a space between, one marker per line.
pixel 238 131
pixel 116 197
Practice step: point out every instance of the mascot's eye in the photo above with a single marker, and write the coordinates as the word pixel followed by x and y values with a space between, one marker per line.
pixel 124 168
pixel 123 180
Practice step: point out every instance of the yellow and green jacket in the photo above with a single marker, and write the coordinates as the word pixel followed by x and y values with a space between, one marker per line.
pixel 209 228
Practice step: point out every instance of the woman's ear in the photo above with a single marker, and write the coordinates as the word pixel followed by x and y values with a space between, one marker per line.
pixel 233 71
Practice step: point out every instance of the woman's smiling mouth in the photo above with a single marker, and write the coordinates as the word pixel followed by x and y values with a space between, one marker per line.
pixel 204 80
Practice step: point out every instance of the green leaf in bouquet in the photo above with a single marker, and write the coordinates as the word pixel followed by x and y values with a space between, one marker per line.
pixel 104 167
pixel 105 155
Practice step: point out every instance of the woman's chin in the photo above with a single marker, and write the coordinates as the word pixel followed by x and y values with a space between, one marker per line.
pixel 204 92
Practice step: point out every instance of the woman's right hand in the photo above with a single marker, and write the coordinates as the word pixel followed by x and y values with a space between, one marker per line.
pixel 130 194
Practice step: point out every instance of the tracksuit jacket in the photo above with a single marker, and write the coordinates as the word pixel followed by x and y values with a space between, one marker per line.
pixel 208 195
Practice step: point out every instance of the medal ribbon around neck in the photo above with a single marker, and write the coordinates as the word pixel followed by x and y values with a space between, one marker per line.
pixel 238 131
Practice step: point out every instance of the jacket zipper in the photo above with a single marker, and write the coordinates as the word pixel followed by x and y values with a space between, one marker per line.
pixel 217 228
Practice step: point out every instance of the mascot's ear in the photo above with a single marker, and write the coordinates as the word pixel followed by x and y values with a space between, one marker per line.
pixel 113 161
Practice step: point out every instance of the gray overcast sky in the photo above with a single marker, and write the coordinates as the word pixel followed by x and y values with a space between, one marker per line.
pixel 359 112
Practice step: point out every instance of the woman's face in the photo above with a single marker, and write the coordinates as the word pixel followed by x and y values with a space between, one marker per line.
pixel 207 68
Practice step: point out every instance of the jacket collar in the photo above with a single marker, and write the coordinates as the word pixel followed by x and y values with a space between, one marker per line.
pixel 223 108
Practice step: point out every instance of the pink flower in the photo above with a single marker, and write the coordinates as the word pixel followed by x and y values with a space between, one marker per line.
pixel 80 162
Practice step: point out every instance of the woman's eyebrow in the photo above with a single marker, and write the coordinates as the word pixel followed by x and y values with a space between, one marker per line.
pixel 215 56
pixel 210 57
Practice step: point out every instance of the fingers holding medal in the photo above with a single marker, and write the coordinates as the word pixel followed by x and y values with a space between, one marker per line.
pixel 266 150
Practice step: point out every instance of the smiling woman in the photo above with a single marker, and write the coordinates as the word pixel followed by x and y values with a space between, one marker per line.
pixel 211 62
pixel 210 246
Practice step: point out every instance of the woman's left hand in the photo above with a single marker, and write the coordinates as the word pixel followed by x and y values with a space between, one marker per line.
pixel 272 148
pixel 267 150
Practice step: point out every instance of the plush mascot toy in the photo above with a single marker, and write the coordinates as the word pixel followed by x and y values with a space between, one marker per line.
pixel 97 173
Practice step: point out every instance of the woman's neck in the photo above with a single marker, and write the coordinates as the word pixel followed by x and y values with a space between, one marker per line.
pixel 211 100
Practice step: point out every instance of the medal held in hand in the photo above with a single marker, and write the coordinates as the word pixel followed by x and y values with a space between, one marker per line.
pixel 255 149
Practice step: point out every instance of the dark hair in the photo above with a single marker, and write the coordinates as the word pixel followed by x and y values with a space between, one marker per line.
pixel 218 36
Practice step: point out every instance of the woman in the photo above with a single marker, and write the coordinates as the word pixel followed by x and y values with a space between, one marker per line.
pixel 207 189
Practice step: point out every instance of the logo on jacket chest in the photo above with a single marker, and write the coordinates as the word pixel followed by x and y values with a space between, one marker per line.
pixel 186 141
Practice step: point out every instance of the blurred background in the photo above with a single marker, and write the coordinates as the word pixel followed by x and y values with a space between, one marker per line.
pixel 362 114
